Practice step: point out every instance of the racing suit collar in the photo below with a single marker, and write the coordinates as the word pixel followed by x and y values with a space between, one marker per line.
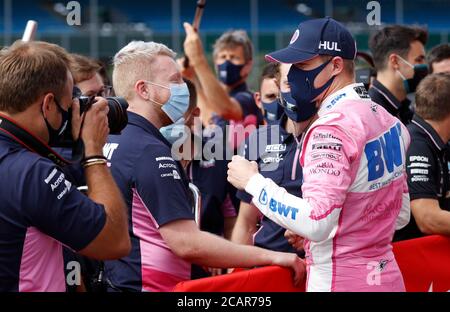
pixel 355 91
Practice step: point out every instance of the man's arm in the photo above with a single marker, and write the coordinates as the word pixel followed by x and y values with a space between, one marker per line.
pixel 195 246
pixel 326 182
pixel 430 218
pixel 216 96
pixel 246 223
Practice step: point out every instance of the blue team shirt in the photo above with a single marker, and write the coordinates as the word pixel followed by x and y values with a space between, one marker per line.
pixel 40 210
pixel 155 189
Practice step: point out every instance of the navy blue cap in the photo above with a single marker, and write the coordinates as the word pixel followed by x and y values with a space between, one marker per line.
pixel 323 36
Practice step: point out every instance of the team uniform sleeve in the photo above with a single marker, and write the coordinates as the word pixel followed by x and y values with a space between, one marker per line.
pixel 421 170
pixel 54 206
pixel 329 152
pixel 160 187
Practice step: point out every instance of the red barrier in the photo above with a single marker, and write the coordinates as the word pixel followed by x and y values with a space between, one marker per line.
pixel 424 262
pixel 267 279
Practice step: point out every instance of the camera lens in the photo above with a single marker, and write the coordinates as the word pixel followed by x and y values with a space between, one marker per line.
pixel 117 116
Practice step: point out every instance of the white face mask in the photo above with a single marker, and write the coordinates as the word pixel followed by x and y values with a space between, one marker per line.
pixel 178 103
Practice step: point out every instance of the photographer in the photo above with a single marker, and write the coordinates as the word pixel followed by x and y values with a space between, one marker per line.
pixel 165 238
pixel 40 210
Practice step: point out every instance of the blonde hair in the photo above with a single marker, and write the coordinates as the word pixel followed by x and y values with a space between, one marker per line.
pixel 134 62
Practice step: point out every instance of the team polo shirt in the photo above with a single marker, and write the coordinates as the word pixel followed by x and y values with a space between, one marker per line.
pixel 156 192
pixel 40 211
pixel 217 194
pixel 277 153
pixel 382 96
pixel 428 168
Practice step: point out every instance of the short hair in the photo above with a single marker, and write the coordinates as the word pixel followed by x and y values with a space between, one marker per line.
pixel 28 70
pixel 270 71
pixel 394 39
pixel 438 54
pixel 233 39
pixel 135 62
pixel 433 97
pixel 349 65
pixel 82 67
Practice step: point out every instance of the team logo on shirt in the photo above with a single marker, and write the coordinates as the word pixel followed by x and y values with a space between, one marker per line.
pixel 263 200
pixel 419 168
pixel 56 181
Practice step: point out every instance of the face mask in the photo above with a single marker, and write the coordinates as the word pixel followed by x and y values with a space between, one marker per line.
pixel 55 135
pixel 303 91
pixel 229 73
pixel 420 72
pixel 290 106
pixel 178 102
pixel 174 132
pixel 272 110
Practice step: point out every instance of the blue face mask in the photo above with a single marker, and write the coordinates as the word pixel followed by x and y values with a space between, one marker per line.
pixel 55 135
pixel 290 106
pixel 229 73
pixel 175 131
pixel 272 110
pixel 420 72
pixel 178 102
pixel 303 91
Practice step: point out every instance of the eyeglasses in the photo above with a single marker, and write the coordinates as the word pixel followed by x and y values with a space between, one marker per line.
pixel 106 91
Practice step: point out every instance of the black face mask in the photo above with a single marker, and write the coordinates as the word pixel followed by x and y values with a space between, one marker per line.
pixel 56 134
pixel 420 72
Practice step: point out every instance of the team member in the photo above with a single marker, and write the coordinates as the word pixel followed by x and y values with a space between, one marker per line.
pixel 277 159
pixel 267 96
pixel 428 160
pixel 40 209
pixel 353 160
pixel 226 99
pixel 165 238
pixel 439 59
pixel 399 57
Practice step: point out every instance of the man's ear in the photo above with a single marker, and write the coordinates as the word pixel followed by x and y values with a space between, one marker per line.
pixel 393 62
pixel 338 65
pixel 142 90
pixel 257 97
pixel 247 69
pixel 47 106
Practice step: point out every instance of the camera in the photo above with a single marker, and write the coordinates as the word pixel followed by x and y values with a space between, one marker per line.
pixel 117 115
pixel 117 118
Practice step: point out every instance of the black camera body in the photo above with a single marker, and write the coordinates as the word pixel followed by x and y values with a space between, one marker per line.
pixel 117 118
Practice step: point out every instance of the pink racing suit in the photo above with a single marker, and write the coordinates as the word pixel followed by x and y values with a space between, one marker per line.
pixel 354 195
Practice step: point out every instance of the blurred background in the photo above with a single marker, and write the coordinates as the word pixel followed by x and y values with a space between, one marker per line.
pixel 108 25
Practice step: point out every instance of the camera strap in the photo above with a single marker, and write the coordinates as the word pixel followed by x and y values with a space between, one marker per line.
pixel 29 141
